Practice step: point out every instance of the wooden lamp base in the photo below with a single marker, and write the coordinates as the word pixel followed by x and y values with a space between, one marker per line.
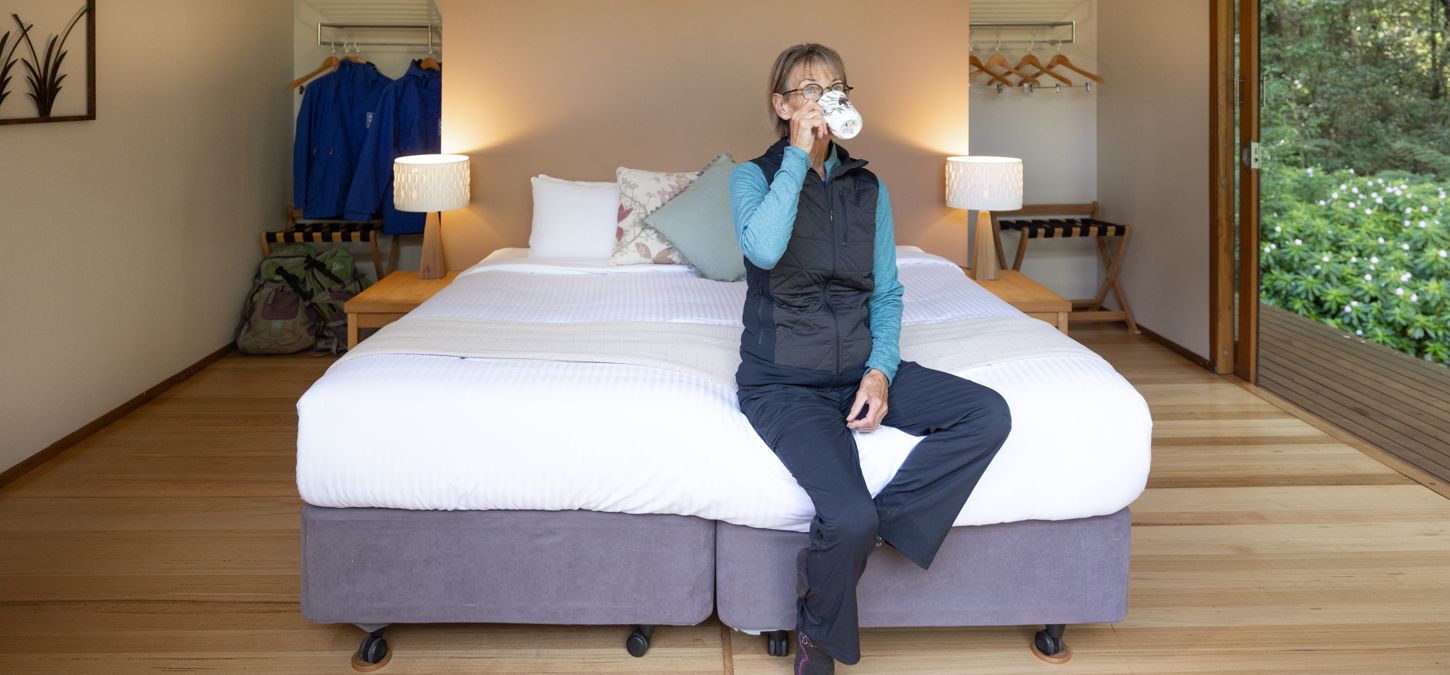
pixel 431 265
pixel 984 250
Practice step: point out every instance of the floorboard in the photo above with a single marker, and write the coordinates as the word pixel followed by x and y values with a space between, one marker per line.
pixel 168 542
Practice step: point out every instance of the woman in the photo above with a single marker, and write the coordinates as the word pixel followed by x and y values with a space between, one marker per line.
pixel 820 360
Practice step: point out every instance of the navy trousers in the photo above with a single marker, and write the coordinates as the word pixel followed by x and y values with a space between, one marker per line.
pixel 964 424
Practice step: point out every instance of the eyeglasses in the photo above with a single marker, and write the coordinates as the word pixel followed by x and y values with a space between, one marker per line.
pixel 812 92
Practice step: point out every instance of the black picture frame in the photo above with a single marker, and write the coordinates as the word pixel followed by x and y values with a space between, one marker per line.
pixel 17 69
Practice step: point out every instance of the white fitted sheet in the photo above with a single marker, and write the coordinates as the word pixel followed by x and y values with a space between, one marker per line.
pixel 444 433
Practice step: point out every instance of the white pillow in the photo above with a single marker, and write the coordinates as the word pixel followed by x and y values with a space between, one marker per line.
pixel 573 219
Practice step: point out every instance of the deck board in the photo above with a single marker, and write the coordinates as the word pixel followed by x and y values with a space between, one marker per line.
pixel 1396 402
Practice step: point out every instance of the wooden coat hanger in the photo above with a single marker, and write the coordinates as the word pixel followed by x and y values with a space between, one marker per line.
pixel 979 67
pixel 329 63
pixel 430 63
pixel 1031 61
pixel 1060 59
pixel 1006 67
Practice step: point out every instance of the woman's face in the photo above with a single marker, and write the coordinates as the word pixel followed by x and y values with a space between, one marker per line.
pixel 802 75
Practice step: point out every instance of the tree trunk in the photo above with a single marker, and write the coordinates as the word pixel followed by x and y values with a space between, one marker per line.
pixel 1438 46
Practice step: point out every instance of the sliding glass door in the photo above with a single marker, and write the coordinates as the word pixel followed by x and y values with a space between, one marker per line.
pixel 1352 116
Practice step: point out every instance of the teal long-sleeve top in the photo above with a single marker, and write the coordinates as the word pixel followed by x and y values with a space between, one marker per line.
pixel 765 215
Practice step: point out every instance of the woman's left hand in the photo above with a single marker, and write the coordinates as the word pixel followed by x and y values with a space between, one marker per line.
pixel 872 395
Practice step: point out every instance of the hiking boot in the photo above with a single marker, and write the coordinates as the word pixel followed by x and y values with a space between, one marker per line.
pixel 809 659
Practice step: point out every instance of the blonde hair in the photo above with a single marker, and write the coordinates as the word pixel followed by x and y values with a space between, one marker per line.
pixel 808 53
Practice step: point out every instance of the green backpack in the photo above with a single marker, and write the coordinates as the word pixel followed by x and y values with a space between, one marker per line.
pixel 296 301
pixel 334 280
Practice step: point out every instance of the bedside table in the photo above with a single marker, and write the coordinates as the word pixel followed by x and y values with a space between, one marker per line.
pixel 388 300
pixel 1028 296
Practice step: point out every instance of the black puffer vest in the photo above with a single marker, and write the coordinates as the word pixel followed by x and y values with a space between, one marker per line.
pixel 807 320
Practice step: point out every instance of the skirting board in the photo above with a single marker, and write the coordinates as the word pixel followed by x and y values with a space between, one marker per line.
pixel 1176 348
pixel 54 449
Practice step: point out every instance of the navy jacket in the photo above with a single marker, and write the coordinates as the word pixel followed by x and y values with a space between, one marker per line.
pixel 407 124
pixel 331 129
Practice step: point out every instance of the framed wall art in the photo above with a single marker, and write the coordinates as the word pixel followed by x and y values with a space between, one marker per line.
pixel 47 61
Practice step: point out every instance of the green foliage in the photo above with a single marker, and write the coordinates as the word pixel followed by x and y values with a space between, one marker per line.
pixel 1367 255
pixel 1357 84
pixel 1421 157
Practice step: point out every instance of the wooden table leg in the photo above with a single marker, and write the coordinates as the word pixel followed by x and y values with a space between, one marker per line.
pixel 1062 318
pixel 351 331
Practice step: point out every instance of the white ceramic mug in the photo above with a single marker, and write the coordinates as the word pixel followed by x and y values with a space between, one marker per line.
pixel 841 116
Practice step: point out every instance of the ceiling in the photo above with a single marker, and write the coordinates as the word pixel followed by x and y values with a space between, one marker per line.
pixel 377 11
pixel 422 11
pixel 1023 10
pixel 425 11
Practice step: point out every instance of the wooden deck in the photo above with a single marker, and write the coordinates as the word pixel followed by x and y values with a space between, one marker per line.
pixel 1397 402
pixel 168 542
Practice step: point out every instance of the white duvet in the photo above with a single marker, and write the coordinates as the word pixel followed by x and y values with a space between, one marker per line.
pixel 446 433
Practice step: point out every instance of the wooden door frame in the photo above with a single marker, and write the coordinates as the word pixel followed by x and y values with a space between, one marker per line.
pixel 1221 186
pixel 1233 347
pixel 1246 354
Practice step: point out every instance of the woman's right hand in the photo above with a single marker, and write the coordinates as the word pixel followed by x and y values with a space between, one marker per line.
pixel 806 125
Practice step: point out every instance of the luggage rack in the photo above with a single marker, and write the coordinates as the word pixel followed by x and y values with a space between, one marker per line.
pixel 1050 221
pixel 333 231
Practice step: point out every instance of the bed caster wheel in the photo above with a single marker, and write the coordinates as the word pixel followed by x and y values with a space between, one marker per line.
pixel 777 643
pixel 638 642
pixel 1049 646
pixel 372 654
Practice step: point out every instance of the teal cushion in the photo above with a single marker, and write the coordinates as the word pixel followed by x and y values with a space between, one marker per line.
pixel 699 224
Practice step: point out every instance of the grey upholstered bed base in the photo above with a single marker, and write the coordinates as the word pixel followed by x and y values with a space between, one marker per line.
pixel 1030 572
pixel 374 567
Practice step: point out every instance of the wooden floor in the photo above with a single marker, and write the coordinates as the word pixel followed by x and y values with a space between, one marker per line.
pixel 168 542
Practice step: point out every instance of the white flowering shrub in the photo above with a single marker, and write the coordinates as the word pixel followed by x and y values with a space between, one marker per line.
pixel 1367 255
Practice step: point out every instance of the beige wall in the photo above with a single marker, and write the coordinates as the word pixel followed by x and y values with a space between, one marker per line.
pixel 131 240
pixel 1054 133
pixel 576 88
pixel 1153 157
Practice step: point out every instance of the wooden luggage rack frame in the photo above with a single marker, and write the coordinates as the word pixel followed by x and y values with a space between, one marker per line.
pixel 334 231
pixel 1069 221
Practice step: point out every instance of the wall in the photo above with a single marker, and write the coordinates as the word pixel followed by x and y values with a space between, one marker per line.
pixel 131 240
pixel 1055 134
pixel 576 88
pixel 1153 158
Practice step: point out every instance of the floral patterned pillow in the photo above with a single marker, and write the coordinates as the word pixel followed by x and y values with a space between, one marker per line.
pixel 640 194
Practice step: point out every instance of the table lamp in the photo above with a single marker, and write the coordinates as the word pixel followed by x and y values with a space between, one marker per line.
pixel 984 184
pixel 431 184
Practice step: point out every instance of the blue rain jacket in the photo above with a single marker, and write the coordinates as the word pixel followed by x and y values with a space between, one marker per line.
pixel 407 123
pixel 332 127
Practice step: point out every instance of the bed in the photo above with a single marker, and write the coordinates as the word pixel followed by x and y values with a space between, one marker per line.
pixel 472 474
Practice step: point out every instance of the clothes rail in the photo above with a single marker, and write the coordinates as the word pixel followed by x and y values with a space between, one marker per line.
pixel 429 27
pixel 1020 26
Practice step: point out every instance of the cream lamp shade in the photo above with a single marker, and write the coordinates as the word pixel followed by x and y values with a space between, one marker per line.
pixel 431 184
pixel 984 184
